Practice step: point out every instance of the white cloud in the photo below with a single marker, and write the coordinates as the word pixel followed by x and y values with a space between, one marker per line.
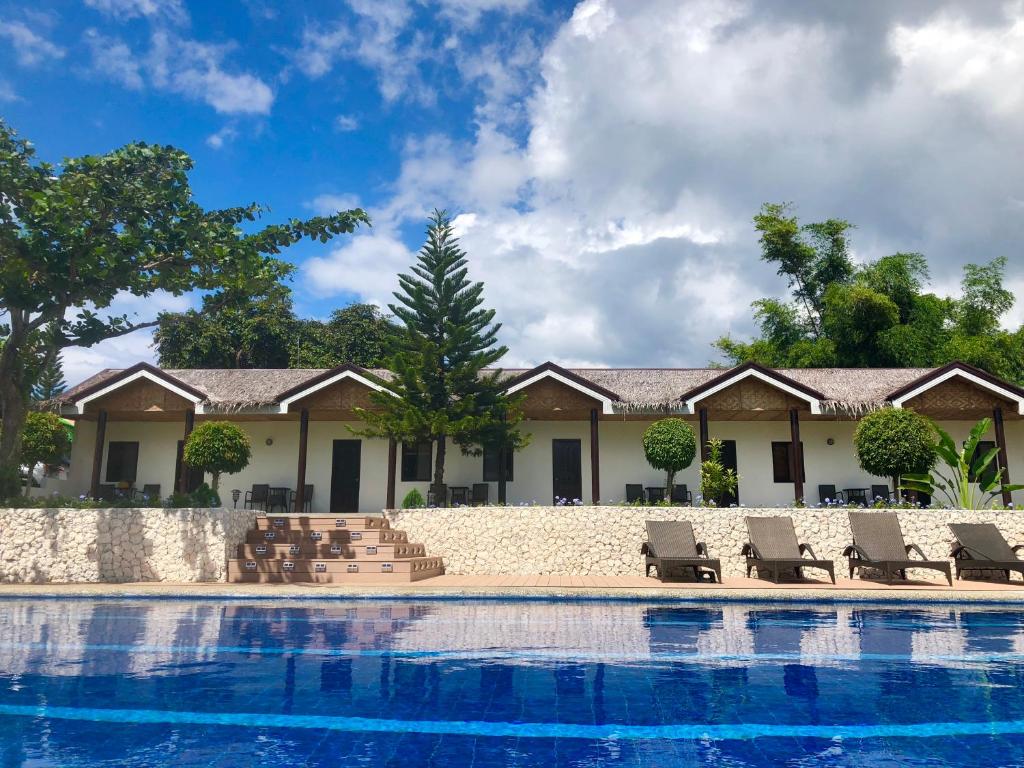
pixel 345 123
pixel 123 10
pixel 224 136
pixel 30 48
pixel 620 232
pixel 178 65
pixel 328 205
pixel 7 92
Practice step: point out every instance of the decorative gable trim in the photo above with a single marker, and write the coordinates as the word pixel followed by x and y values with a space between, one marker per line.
pixel 775 379
pixel 965 372
pixel 135 373
pixel 555 372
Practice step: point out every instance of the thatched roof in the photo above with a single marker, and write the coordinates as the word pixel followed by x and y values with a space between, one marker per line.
pixel 638 389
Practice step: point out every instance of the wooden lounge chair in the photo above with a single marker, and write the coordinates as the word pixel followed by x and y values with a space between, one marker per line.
pixel 773 546
pixel 670 543
pixel 980 546
pixel 878 543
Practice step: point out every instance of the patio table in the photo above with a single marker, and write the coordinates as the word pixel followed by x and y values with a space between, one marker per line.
pixel 655 494
pixel 278 496
pixel 856 495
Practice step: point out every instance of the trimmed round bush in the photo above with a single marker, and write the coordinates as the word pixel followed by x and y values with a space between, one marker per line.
pixel 670 446
pixel 44 439
pixel 217 447
pixel 893 442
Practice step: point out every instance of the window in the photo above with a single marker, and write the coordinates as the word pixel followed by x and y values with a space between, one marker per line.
pixel 491 465
pixel 984 446
pixel 122 462
pixel 416 461
pixel 782 462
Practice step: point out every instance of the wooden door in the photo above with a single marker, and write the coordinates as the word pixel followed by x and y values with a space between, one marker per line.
pixel 567 469
pixel 195 476
pixel 345 462
pixel 729 462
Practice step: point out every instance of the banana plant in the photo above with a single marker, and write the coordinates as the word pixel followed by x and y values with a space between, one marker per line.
pixel 968 483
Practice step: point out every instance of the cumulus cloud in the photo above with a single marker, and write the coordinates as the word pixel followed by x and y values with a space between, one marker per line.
pixel 123 10
pixel 225 135
pixel 619 230
pixel 113 59
pixel 328 205
pixel 29 46
pixel 346 123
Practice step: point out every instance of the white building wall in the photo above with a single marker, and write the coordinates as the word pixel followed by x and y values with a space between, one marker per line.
pixel 622 459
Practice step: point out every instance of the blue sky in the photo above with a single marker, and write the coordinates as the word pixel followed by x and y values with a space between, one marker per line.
pixel 604 158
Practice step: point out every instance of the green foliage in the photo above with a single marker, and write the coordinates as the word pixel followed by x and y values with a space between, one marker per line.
pixel 716 482
pixel 669 445
pixel 217 447
pixel 75 236
pixel 971 481
pixel 894 442
pixel 413 500
pixel 44 439
pixel 446 341
pixel 359 334
pixel 50 379
pixel 874 315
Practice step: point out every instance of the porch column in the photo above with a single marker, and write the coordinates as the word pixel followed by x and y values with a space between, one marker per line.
pixel 502 473
pixel 389 503
pixel 595 460
pixel 300 479
pixel 97 454
pixel 798 463
pixel 1004 463
pixel 705 436
pixel 182 478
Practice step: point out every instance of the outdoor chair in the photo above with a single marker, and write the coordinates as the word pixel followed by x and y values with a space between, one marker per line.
pixel 878 543
pixel 278 497
pixel 459 495
pixel 481 492
pixel 307 499
pixel 257 497
pixel 106 492
pixel 773 546
pixel 980 546
pixel 880 492
pixel 634 493
pixel 150 492
pixel 681 495
pixel 827 493
pixel 671 543
pixel 655 494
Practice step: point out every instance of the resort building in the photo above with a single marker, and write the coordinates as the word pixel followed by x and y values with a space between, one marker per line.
pixel 788 433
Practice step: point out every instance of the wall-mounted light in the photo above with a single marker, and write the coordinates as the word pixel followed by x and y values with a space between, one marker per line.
pixel 269 441
pixel 831 441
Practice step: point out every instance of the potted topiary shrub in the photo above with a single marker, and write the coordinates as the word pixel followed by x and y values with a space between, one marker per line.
pixel 670 446
pixel 217 447
pixel 893 442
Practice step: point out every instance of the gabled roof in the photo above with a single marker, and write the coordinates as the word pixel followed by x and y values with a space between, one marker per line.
pixel 555 372
pixel 965 372
pixel 326 379
pixel 106 385
pixel 752 370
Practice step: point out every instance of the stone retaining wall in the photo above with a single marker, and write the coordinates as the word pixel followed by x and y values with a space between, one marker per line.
pixel 585 541
pixel 116 545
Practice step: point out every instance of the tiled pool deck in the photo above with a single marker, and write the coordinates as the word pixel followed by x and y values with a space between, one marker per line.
pixel 549 586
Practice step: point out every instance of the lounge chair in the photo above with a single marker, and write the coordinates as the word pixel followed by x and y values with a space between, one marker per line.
pixel 878 543
pixel 257 497
pixel 670 543
pixel 634 493
pixel 980 546
pixel 773 546
pixel 681 494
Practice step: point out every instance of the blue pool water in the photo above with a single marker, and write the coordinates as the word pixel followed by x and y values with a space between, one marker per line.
pixel 508 683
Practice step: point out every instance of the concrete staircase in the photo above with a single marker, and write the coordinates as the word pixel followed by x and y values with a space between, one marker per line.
pixel 329 549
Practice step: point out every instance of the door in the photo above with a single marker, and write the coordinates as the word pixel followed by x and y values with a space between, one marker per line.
pixel 729 462
pixel 195 476
pixel 567 469
pixel 345 475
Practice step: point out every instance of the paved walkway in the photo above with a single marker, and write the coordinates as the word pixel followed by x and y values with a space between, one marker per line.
pixel 548 586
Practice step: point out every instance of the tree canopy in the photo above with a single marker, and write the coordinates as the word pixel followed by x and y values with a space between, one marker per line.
pixel 874 315
pixel 446 341
pixel 669 445
pixel 73 237
pixel 217 447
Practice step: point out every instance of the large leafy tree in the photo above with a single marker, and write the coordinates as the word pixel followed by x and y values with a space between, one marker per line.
pixel 75 236
pixel 359 334
pixel 873 315
pixel 440 388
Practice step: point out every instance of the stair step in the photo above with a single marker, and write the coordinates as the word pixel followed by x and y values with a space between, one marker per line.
pixel 321 523
pixel 330 551
pixel 333 536
pixel 329 571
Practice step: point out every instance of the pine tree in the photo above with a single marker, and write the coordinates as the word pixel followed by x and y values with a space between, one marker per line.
pixel 440 389
pixel 50 381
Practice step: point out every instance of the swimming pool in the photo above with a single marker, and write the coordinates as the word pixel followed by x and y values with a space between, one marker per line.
pixel 488 683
